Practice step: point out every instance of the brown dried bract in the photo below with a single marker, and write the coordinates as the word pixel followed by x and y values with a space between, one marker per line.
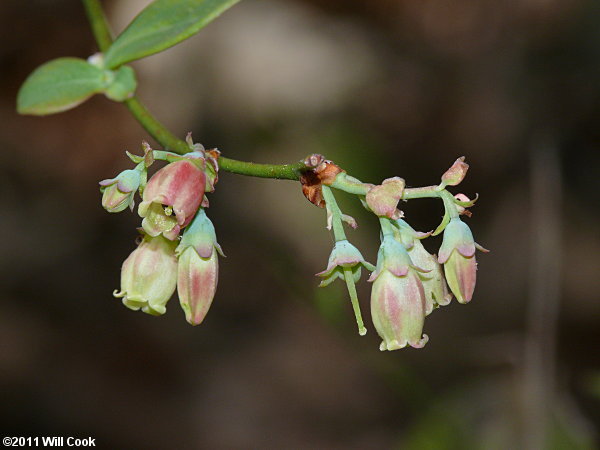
pixel 327 171
pixel 311 188
pixel 322 172
pixel 213 153
pixel 313 160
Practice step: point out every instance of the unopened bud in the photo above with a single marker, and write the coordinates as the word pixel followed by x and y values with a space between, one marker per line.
pixel 118 193
pixel 457 253
pixel 198 268
pixel 456 173
pixel 397 298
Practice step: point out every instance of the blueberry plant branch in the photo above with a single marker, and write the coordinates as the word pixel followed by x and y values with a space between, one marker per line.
pixel 179 249
pixel 99 24
pixel 161 134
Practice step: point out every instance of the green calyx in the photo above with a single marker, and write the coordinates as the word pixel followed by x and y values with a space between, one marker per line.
pixel 200 235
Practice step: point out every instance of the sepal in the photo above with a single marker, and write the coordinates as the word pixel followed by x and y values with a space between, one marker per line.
pixel 343 255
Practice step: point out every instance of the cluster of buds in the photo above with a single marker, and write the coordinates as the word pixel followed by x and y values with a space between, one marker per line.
pixel 408 281
pixel 178 248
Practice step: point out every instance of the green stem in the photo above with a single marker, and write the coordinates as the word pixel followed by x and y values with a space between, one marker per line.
pixel 346 183
pixel 386 226
pixel 162 135
pixel 95 14
pixel 340 235
pixel 279 171
pixel 421 192
pixel 283 171
pixel 336 214
pixel 449 204
pixel 154 128
pixel 169 141
pixel 348 276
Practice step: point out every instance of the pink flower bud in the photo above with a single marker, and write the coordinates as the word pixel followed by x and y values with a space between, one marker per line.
pixel 149 276
pixel 118 192
pixel 171 198
pixel 457 253
pixel 455 174
pixel 383 199
pixel 397 298
pixel 198 268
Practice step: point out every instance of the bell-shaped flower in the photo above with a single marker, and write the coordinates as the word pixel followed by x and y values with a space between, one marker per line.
pixel 118 192
pixel 434 284
pixel 397 298
pixel 149 276
pixel 343 255
pixel 198 268
pixel 172 197
pixel 457 254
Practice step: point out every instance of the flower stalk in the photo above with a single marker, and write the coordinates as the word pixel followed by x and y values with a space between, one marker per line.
pixel 335 219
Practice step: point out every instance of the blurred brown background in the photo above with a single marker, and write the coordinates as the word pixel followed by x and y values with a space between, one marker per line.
pixel 384 88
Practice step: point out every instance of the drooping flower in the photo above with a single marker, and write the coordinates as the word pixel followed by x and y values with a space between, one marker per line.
pixel 149 276
pixel 343 255
pixel 198 268
pixel 434 284
pixel 457 254
pixel 397 298
pixel 172 197
pixel 118 192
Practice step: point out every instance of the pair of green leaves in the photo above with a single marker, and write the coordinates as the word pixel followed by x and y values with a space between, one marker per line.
pixel 64 83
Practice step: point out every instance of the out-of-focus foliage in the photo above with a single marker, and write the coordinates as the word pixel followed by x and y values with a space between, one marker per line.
pixel 161 25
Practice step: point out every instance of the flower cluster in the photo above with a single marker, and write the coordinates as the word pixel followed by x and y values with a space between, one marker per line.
pixel 408 281
pixel 178 248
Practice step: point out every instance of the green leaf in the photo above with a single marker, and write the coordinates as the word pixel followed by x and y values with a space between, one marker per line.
pixel 122 84
pixel 161 25
pixel 59 85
